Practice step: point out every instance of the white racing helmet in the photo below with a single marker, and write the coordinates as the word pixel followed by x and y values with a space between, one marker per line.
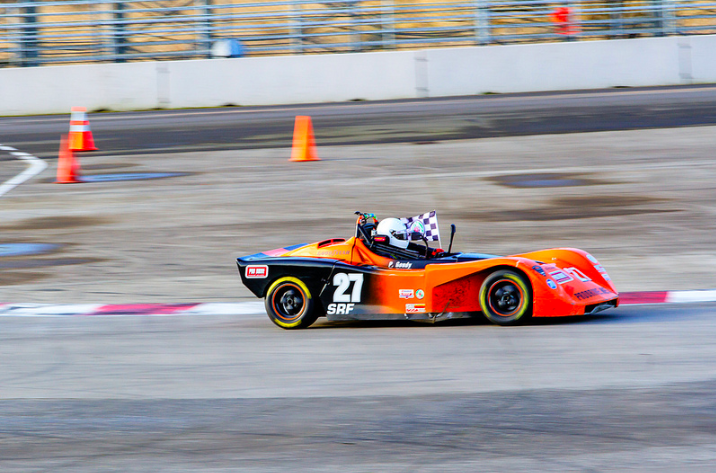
pixel 395 230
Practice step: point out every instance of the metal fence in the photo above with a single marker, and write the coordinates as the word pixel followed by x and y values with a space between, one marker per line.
pixel 38 32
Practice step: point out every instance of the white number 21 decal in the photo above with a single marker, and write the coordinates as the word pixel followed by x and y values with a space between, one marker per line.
pixel 343 281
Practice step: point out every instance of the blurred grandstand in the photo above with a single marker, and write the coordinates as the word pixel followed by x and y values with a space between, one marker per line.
pixel 39 32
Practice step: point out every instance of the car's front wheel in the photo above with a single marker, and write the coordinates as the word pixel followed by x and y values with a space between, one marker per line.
pixel 506 298
pixel 289 303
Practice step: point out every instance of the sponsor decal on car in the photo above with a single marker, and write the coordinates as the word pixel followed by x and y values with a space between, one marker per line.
pixel 602 271
pixel 406 293
pixel 578 274
pixel 414 308
pixel 333 253
pixel 400 265
pixel 551 284
pixel 538 269
pixel 592 259
pixel 419 293
pixel 338 309
pixel 560 276
pixel 597 291
pixel 257 271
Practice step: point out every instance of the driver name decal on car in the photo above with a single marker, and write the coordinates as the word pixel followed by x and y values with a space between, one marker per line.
pixel 257 271
pixel 400 265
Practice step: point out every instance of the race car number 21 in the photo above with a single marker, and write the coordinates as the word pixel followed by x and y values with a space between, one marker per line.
pixel 345 297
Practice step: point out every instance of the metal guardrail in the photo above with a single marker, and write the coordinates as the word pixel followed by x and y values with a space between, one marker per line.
pixel 38 32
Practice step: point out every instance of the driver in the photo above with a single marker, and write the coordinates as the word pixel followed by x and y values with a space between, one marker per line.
pixel 395 230
pixel 399 236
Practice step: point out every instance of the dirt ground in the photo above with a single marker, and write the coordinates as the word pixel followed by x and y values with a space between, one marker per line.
pixel 643 202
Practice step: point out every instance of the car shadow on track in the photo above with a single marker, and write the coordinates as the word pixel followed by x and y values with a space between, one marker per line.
pixel 477 321
pixel 629 314
pixel 364 324
pixel 647 313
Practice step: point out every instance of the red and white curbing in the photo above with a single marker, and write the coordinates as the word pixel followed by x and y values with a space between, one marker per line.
pixel 667 297
pixel 94 310
pixel 257 307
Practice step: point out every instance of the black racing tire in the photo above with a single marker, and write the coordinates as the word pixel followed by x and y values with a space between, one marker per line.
pixel 289 304
pixel 506 298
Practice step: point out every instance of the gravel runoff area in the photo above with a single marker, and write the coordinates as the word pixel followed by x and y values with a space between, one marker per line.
pixel 641 201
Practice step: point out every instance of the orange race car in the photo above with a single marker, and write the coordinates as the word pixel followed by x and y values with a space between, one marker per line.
pixel 383 273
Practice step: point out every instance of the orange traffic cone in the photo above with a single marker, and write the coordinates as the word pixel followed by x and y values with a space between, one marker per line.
pixel 68 168
pixel 304 143
pixel 80 134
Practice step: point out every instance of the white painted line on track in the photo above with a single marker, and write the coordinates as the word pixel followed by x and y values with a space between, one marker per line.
pixel 36 166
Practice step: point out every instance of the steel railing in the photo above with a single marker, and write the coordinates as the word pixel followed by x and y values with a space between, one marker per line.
pixel 39 32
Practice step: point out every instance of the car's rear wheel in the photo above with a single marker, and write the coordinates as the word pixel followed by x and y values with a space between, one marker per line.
pixel 506 298
pixel 289 303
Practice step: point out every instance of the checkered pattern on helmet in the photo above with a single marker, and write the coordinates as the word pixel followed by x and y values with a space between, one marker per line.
pixel 430 220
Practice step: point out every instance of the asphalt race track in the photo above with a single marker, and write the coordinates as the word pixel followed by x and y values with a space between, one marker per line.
pixel 626 174
pixel 631 390
pixel 356 123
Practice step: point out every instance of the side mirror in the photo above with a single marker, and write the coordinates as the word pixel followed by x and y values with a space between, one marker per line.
pixel 416 236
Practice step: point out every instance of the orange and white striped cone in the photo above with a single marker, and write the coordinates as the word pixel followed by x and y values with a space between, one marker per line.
pixel 80 138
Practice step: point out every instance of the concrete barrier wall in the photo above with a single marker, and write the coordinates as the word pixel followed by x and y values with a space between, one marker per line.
pixel 360 76
pixel 563 66
pixel 291 79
